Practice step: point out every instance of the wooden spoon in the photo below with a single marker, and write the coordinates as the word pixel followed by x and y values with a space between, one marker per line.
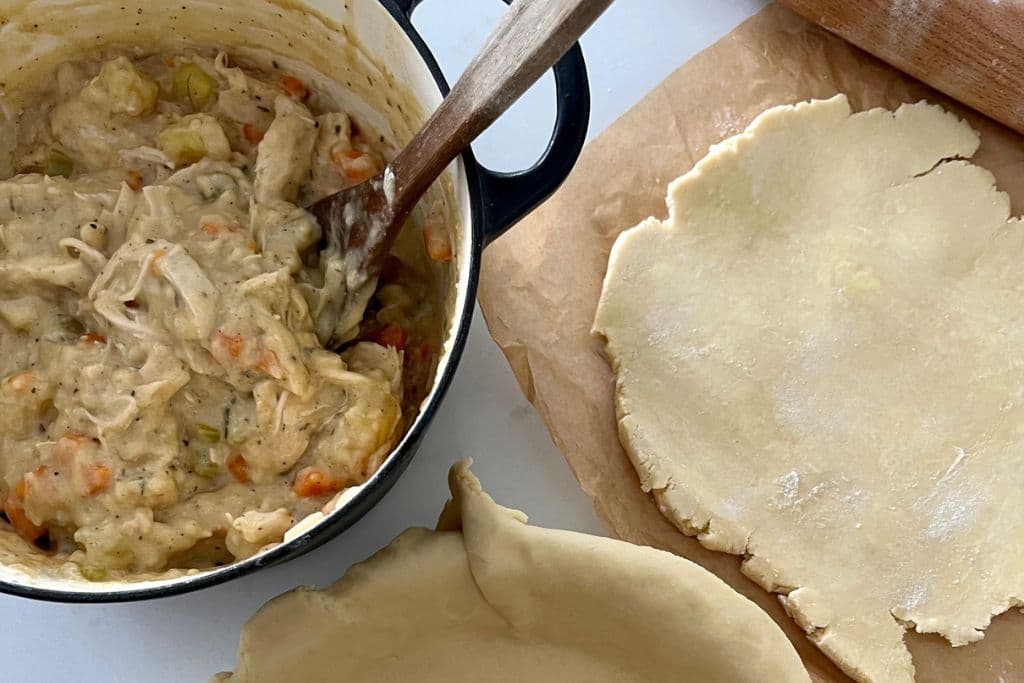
pixel 362 222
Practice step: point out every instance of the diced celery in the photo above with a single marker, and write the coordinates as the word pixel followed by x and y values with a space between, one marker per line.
pixel 193 85
pixel 59 164
pixel 72 326
pixel 92 573
pixel 194 137
pixel 207 433
pixel 68 330
pixel 182 145
pixel 201 464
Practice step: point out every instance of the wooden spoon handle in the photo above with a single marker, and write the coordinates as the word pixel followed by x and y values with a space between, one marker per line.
pixel 968 49
pixel 531 37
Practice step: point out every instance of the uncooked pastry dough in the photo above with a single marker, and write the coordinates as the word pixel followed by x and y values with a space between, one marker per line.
pixel 488 599
pixel 819 358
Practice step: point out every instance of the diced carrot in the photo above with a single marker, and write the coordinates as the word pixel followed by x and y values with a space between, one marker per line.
pixel 93 338
pixel 340 153
pixel 238 467
pixel 311 482
pixel 14 508
pixel 436 240
pixel 70 445
pixel 235 345
pixel 154 265
pixel 21 381
pixel 215 224
pixel 97 478
pixel 357 167
pixel 253 135
pixel 269 364
pixel 358 141
pixel 232 343
pixel 134 180
pixel 392 335
pixel 296 88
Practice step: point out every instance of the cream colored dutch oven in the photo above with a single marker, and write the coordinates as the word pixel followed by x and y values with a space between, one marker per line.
pixel 367 55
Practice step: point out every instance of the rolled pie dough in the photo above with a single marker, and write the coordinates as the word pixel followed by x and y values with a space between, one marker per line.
pixel 820 367
pixel 488 599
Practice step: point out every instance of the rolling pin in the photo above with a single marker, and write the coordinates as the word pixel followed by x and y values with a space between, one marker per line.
pixel 971 50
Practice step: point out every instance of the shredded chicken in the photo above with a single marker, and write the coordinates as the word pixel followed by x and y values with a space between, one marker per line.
pixel 163 376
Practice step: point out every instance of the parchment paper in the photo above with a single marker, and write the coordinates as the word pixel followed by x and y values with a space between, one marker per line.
pixel 541 281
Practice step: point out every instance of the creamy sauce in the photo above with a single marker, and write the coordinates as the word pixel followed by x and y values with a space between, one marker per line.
pixel 167 398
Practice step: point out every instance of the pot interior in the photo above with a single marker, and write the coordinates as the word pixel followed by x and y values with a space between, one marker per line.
pixel 354 51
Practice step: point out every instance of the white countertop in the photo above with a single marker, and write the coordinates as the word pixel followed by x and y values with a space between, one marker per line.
pixel 631 48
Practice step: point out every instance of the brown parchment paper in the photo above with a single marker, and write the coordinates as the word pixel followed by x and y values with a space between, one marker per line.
pixel 541 281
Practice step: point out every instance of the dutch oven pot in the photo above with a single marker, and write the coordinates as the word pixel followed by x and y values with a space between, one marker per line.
pixel 481 203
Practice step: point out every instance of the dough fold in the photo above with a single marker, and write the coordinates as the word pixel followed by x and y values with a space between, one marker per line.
pixel 488 598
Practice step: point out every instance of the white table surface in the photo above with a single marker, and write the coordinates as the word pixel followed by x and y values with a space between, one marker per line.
pixel 187 638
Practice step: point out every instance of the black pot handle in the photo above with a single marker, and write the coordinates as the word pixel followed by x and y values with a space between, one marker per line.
pixel 407 6
pixel 507 197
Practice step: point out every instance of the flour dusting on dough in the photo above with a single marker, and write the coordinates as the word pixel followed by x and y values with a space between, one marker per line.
pixel 789 486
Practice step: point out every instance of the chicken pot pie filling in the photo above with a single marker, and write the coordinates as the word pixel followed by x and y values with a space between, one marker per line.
pixel 167 397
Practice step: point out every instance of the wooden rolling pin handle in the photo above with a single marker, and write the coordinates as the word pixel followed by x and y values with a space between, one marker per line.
pixel 972 50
